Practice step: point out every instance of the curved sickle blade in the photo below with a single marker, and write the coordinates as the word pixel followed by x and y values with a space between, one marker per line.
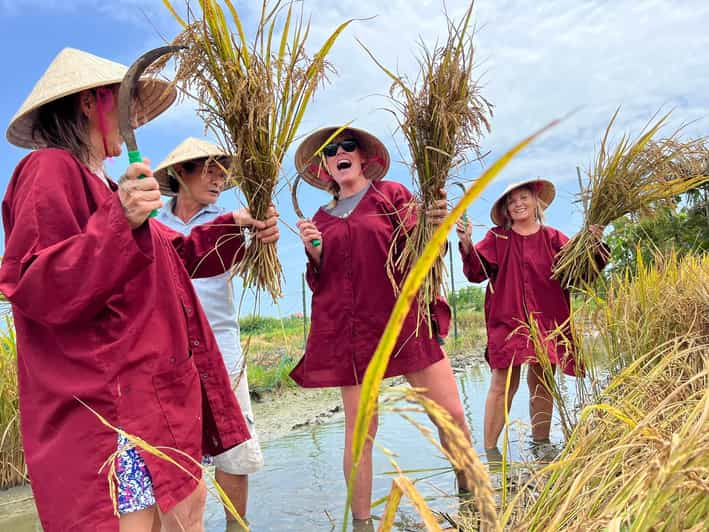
pixel 126 92
pixel 294 197
pixel 296 206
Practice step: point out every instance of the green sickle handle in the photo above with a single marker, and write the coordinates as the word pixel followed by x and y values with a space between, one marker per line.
pixel 134 157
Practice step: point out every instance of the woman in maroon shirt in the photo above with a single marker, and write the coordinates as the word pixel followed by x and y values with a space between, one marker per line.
pixel 352 294
pixel 516 258
pixel 106 315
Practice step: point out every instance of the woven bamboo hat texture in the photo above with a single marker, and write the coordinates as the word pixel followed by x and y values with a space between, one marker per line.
pixel 188 150
pixel 310 165
pixel 544 189
pixel 73 71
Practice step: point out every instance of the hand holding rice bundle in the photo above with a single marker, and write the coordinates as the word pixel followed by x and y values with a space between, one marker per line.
pixel 442 117
pixel 634 178
pixel 252 97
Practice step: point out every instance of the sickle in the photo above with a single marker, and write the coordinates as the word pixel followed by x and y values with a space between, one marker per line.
pixel 462 186
pixel 126 94
pixel 296 206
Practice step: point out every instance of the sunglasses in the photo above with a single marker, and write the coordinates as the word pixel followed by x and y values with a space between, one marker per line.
pixel 349 146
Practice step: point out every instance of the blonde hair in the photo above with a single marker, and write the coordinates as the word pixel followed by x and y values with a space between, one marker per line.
pixel 538 208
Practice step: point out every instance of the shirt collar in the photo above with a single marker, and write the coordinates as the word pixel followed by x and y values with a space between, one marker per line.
pixel 211 209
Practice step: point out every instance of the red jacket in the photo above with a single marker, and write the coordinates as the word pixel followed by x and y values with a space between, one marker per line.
pixel 353 296
pixel 519 270
pixel 108 315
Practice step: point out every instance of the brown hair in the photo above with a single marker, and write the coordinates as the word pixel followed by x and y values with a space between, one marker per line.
pixel 62 124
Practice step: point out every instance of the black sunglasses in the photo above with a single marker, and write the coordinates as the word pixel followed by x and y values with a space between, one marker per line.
pixel 348 145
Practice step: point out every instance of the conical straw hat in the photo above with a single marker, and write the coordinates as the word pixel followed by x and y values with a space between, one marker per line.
pixel 310 166
pixel 188 150
pixel 73 71
pixel 544 189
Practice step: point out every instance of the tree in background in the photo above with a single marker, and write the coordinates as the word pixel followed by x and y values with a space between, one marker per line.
pixel 685 228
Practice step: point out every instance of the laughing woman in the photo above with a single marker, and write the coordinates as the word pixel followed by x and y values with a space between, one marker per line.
pixel 517 257
pixel 106 315
pixel 352 294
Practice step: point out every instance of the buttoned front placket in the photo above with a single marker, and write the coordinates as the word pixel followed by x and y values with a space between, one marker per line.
pixel 348 291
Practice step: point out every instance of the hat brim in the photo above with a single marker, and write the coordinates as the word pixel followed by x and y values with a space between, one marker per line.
pixel 154 97
pixel 544 189
pixel 163 174
pixel 311 166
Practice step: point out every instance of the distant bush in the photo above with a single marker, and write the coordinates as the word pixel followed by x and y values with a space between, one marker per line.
pixel 468 298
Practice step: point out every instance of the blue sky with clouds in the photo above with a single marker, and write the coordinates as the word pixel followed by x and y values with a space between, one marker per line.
pixel 537 61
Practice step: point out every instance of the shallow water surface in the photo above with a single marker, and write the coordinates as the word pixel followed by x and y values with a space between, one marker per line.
pixel 302 488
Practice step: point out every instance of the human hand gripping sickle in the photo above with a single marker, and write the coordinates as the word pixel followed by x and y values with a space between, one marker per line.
pixel 137 195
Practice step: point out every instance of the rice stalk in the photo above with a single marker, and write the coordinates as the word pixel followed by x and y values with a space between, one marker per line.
pixel 459 452
pixel 632 179
pixel 161 453
pixel 377 366
pixel 640 454
pixel 252 96
pixel 443 116
pixel 403 486
pixel 13 470
pixel 662 301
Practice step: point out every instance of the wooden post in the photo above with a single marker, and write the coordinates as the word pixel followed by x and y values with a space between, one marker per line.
pixel 455 303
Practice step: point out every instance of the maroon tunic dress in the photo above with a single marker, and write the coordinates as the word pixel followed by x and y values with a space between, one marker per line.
pixel 107 315
pixel 353 296
pixel 519 270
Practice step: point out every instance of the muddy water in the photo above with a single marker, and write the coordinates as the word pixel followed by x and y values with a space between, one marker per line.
pixel 301 487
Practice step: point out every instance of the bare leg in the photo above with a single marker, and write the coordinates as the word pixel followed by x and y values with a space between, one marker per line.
pixel 187 515
pixel 362 495
pixel 440 386
pixel 541 404
pixel 141 521
pixel 236 488
pixel 495 407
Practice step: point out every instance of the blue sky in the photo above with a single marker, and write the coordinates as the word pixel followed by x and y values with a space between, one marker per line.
pixel 537 61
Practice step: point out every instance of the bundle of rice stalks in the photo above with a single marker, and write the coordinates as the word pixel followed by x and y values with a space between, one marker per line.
pixel 12 457
pixel 442 115
pixel 634 178
pixel 252 96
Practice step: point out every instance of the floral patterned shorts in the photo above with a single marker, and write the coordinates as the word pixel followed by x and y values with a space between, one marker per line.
pixel 135 485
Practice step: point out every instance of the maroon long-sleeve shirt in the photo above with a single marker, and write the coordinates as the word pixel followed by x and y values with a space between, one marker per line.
pixel 520 285
pixel 108 315
pixel 353 296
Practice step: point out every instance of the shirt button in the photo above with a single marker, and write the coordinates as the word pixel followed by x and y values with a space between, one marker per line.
pixel 173 360
pixel 195 342
pixel 205 375
pixel 188 310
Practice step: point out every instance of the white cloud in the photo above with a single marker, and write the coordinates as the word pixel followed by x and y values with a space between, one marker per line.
pixel 537 60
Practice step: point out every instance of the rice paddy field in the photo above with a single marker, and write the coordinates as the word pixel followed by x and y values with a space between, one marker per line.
pixel 635 430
